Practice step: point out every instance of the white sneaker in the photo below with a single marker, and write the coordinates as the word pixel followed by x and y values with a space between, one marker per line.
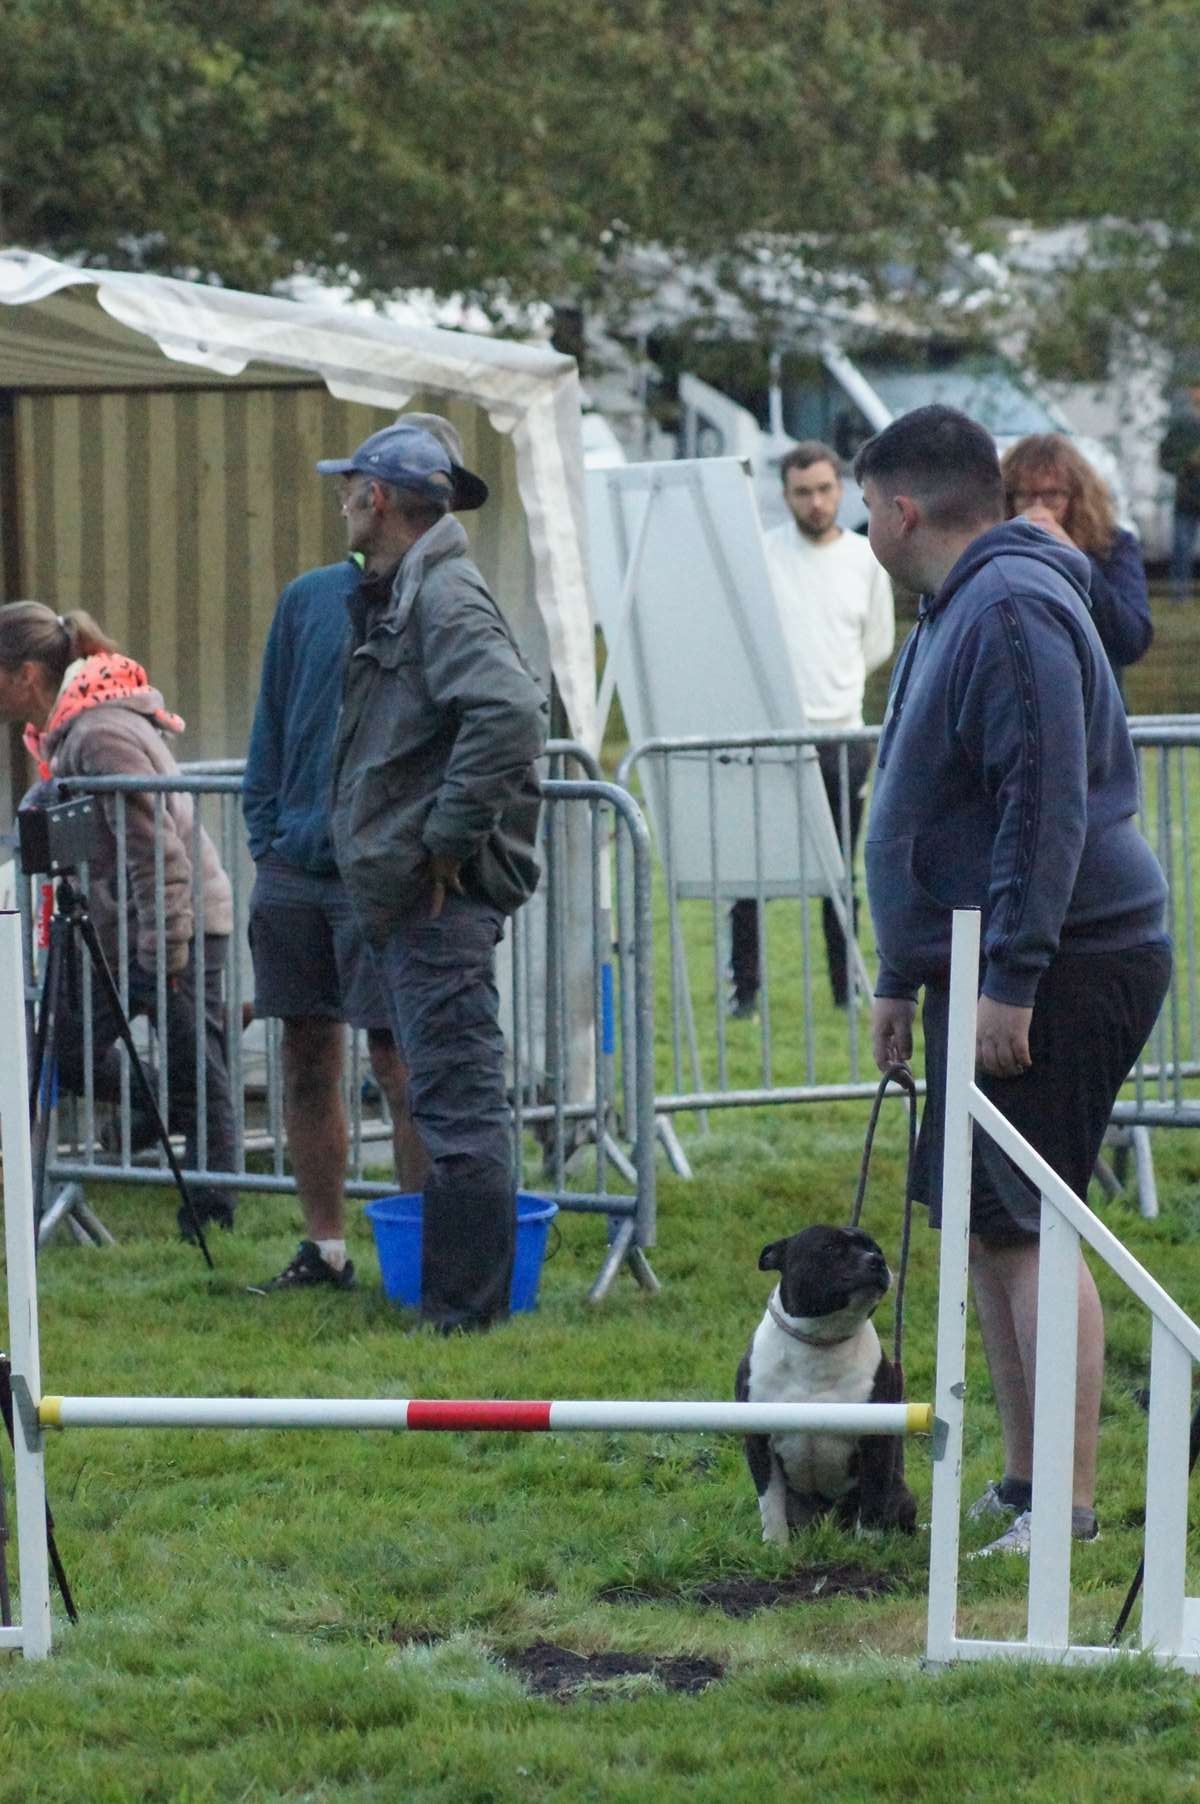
pixel 1017 1539
pixel 1014 1540
pixel 991 1504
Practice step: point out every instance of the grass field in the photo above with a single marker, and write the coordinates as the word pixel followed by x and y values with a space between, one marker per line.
pixel 326 1616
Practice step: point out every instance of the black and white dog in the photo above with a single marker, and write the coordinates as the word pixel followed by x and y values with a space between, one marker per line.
pixel 817 1344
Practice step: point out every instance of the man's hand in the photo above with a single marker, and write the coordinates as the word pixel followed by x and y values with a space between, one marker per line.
pixel 1041 516
pixel 891 1030
pixel 443 875
pixel 1002 1038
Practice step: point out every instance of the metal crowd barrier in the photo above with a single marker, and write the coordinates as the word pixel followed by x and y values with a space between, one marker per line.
pixel 742 798
pixel 579 1013
pixel 747 800
pixel 1164 1087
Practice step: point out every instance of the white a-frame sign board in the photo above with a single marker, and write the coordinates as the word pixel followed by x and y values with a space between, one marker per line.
pixel 695 648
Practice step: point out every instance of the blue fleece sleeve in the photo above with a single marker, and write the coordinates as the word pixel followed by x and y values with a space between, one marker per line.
pixel 1019 715
pixel 260 785
pixel 1121 601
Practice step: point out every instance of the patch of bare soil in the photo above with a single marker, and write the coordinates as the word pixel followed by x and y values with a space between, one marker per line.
pixel 557 1672
pixel 742 1597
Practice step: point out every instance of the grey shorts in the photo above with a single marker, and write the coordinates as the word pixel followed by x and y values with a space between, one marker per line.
pixel 310 958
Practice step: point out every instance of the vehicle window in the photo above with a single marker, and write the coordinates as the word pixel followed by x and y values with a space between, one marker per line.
pixel 983 386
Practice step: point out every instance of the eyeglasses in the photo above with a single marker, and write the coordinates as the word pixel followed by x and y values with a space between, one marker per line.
pixel 1023 498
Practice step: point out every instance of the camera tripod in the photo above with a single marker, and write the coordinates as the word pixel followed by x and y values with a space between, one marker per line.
pixel 70 926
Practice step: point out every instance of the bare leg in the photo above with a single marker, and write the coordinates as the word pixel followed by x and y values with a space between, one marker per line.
pixel 1004 1280
pixel 391 1074
pixel 1002 1347
pixel 314 1115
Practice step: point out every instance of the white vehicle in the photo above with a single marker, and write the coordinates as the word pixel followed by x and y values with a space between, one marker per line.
pixel 843 399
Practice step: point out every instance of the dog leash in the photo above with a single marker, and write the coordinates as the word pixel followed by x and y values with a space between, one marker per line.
pixel 902 1077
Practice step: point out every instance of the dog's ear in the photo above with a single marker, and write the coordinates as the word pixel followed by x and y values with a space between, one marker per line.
pixel 771 1257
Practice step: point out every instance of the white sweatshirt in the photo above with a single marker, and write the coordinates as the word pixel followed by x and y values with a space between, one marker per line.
pixel 835 602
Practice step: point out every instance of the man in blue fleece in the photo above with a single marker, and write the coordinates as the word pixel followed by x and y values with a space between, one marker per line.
pixel 1006 782
pixel 312 967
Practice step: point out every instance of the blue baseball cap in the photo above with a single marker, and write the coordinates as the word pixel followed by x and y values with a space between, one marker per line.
pixel 405 455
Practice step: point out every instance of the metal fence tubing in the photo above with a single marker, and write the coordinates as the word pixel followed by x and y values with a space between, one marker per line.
pixel 616 1102
pixel 779 859
pixel 809 1069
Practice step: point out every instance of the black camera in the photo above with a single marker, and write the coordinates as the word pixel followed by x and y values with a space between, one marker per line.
pixel 55 840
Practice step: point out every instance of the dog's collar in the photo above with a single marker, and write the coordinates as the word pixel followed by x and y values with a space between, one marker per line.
pixel 810 1340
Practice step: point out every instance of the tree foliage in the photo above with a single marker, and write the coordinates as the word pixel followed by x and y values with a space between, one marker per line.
pixel 1138 161
pixel 524 151
pixel 1088 110
pixel 499 151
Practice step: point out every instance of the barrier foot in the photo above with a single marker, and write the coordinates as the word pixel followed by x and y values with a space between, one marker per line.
pixel 1122 1141
pixel 624 1251
pixel 1143 1165
pixel 1108 1180
pixel 642 1270
pixel 613 1151
pixel 664 1129
pixel 69 1207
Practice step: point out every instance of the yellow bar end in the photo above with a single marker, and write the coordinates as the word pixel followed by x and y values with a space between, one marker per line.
pixel 920 1418
pixel 50 1412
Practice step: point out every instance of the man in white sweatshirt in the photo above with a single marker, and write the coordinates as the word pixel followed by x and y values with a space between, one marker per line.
pixel 835 602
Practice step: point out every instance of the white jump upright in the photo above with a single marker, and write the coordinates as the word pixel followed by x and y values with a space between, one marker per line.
pixel 32 1633
pixel 1170 1620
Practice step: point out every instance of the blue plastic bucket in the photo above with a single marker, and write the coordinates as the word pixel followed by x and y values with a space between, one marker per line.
pixel 396 1224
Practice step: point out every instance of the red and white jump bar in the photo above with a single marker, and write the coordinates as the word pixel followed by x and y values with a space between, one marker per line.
pixel 487 1414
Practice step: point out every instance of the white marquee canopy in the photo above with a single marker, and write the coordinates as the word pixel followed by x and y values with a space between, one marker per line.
pixel 151 325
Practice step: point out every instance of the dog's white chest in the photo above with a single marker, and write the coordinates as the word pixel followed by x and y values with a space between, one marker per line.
pixel 784 1370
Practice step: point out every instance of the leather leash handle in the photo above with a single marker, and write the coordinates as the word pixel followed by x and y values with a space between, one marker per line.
pixel 900 1075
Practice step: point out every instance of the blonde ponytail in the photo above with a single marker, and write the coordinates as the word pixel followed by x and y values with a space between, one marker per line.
pixel 31 633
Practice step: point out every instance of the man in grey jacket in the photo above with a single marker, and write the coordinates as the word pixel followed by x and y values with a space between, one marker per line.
pixel 435 811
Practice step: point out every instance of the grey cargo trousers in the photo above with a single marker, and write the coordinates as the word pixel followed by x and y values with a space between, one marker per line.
pixel 442 988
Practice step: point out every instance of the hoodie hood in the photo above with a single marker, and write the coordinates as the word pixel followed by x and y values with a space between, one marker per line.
pixel 1013 538
pixel 106 679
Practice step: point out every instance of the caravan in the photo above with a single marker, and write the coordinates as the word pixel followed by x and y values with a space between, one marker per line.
pixel 844 398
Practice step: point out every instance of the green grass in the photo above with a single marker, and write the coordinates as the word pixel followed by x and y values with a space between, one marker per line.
pixel 325 1616
pixel 250 1601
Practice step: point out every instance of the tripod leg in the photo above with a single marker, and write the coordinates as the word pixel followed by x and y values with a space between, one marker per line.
pixel 1131 1595
pixel 45 1014
pixel 44 1055
pixel 100 966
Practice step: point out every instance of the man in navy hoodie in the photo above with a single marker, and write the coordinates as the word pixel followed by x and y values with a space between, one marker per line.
pixel 1006 781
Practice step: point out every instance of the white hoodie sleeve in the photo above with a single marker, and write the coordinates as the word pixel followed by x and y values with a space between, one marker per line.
pixel 879 628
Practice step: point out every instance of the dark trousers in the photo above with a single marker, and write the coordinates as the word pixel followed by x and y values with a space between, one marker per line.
pixel 441 981
pixel 179 1050
pixel 1092 1015
pixel 745 965
pixel 1184 528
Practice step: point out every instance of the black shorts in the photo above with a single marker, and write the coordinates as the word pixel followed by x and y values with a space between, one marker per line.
pixel 1093 1014
pixel 310 959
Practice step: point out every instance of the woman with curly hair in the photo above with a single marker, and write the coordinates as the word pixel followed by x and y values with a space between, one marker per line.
pixel 1051 483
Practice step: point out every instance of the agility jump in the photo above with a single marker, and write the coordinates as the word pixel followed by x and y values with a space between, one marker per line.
pixel 1171 1619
